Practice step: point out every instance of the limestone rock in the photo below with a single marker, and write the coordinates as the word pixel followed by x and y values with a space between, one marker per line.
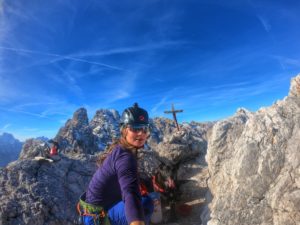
pixel 295 87
pixel 105 126
pixel 253 161
pixel 180 146
pixel 160 128
pixel 32 148
pixel 38 192
pixel 77 135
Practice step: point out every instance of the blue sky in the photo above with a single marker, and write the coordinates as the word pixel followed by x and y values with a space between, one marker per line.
pixel 207 57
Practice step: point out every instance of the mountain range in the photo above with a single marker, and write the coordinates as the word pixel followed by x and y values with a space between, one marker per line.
pixel 10 148
pixel 244 169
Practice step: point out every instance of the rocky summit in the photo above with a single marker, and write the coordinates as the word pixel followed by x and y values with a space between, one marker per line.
pixel 240 170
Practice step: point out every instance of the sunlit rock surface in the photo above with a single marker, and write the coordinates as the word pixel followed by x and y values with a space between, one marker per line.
pixel 253 161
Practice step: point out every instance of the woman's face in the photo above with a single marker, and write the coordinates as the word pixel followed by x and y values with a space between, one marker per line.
pixel 136 137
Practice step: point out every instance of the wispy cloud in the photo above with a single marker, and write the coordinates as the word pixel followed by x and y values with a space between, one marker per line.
pixel 60 57
pixel 131 49
pixel 119 87
pixel 224 95
pixel 286 61
pixel 231 59
pixel 158 105
pixel 52 110
pixel 46 109
pixel 8 90
pixel 71 82
pixel 120 94
pixel 265 23
pixel 15 9
pixel 290 61
pixel 5 127
pixel 1 7
pixel 23 112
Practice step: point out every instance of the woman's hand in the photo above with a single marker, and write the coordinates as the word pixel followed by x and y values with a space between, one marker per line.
pixel 137 222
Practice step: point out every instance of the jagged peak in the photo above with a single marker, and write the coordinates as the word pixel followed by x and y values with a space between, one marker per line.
pixel 103 113
pixel 80 116
pixel 295 86
pixel 243 111
pixel 7 136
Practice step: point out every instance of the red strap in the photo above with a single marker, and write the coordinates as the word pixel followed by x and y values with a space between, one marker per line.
pixel 156 185
pixel 143 189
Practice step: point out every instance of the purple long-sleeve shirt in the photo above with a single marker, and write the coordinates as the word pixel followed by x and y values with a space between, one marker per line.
pixel 117 180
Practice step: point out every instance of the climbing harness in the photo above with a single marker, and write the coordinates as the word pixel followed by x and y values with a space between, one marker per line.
pixel 97 213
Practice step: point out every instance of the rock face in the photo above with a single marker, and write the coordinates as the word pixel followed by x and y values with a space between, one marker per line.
pixel 77 135
pixel 180 146
pixel 253 161
pixel 32 148
pixel 105 126
pixel 172 147
pixel 10 148
pixel 39 192
pixel 159 129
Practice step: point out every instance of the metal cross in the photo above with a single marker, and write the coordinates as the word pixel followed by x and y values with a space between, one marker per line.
pixel 173 111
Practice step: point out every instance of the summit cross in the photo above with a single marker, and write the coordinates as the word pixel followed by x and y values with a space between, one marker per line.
pixel 173 111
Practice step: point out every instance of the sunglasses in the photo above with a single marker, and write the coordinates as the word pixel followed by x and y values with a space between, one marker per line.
pixel 136 129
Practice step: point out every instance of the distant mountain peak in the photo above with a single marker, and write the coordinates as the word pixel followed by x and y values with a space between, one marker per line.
pixel 10 148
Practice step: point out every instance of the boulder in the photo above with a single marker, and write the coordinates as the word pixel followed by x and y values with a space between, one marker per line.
pixel 180 146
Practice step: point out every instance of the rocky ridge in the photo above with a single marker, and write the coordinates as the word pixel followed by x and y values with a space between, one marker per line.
pixel 254 165
pixel 252 169
pixel 46 193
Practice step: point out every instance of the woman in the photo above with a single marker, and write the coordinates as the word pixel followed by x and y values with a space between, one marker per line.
pixel 114 187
